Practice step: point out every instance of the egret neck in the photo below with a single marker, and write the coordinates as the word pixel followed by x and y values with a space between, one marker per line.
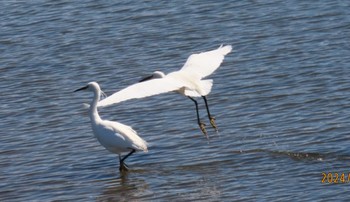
pixel 93 113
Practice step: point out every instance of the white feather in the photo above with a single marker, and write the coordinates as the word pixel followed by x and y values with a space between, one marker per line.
pixel 204 64
pixel 186 81
pixel 115 137
pixel 141 90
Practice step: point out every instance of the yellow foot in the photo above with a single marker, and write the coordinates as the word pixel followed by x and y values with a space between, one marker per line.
pixel 202 127
pixel 212 122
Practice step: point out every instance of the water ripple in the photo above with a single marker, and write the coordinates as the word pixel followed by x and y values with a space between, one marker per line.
pixel 281 100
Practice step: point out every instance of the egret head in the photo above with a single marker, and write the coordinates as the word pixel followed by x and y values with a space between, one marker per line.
pixel 95 88
pixel 92 86
pixel 155 75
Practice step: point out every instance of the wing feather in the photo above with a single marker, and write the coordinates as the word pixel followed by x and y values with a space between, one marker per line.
pixel 126 132
pixel 141 90
pixel 205 63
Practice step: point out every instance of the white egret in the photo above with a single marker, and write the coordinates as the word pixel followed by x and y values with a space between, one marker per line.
pixel 115 137
pixel 188 81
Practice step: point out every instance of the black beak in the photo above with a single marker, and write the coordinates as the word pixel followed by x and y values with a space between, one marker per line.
pixel 83 88
pixel 146 78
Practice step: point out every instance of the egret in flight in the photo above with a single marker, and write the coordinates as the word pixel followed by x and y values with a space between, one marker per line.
pixel 187 81
pixel 115 137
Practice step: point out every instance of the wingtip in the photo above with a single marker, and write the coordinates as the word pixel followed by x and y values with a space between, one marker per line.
pixel 99 105
pixel 103 103
pixel 225 49
pixel 144 148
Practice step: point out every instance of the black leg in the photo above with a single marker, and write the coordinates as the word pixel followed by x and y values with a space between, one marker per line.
pixel 201 124
pixel 211 118
pixel 128 154
pixel 122 165
pixel 195 102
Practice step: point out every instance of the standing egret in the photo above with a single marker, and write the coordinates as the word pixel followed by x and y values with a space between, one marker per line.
pixel 188 81
pixel 115 137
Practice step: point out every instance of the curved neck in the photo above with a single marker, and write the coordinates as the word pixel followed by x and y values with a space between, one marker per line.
pixel 93 113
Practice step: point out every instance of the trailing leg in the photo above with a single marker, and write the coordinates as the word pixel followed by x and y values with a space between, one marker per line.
pixel 201 124
pixel 211 118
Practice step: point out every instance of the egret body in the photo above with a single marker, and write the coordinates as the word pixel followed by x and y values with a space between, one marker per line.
pixel 115 137
pixel 188 81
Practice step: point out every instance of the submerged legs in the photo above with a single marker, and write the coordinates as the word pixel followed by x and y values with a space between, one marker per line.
pixel 122 165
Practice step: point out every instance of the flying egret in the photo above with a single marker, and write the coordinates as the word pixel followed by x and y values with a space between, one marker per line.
pixel 115 137
pixel 188 81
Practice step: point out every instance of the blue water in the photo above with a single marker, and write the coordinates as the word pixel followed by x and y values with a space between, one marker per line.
pixel 281 100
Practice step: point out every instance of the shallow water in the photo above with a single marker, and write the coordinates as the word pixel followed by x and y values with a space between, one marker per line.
pixel 281 100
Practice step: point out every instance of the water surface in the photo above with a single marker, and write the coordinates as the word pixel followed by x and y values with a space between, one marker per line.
pixel 281 100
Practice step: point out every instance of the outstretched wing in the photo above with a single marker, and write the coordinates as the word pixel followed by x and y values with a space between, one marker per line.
pixel 141 90
pixel 204 64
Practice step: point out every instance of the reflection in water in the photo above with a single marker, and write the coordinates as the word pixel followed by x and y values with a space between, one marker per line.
pixel 198 180
pixel 122 188
pixel 192 182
